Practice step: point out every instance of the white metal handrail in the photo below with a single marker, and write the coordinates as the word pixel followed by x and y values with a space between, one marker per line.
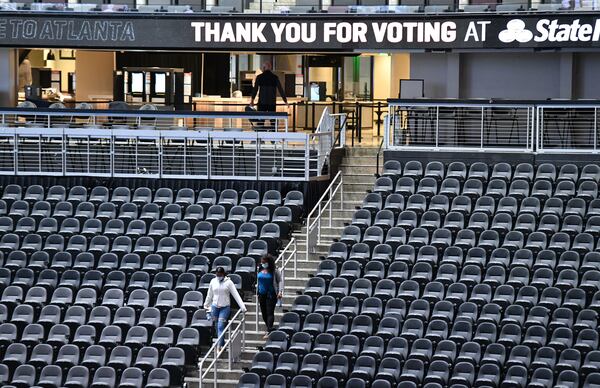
pixel 287 255
pixel 327 124
pixel 325 203
pixel 324 124
pixel 323 140
pixel 239 319
pixel 343 121
pixel 163 154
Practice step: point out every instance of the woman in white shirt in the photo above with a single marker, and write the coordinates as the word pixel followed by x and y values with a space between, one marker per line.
pixel 218 299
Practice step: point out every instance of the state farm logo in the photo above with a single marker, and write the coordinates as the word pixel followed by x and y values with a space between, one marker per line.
pixel 550 30
pixel 515 31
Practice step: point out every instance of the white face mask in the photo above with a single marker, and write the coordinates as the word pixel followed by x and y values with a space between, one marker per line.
pixel 220 278
pixel 265 265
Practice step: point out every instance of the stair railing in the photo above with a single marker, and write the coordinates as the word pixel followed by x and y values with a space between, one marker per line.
pixel 339 140
pixel 235 342
pixel 287 257
pixel 314 220
pixel 383 142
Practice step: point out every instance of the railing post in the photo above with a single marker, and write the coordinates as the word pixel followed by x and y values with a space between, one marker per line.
pixel 307 158
pixel 256 305
pixel 481 128
pixel 540 128
pixel 295 258
pixel 215 358
pixel 243 331
pixel 330 204
pixel 319 224
pixel 595 128
pixel 343 129
pixel 437 126
pixel 294 111
pixel 307 242
pixel 200 374
pixel 229 343
pixel 341 192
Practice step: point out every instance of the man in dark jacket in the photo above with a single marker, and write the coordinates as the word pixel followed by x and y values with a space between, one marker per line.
pixel 267 85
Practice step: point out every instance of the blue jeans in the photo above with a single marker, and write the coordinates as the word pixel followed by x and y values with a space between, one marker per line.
pixel 220 315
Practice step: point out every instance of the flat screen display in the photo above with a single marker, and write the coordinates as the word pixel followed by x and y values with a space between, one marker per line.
pixel 160 83
pixel 411 88
pixel 315 91
pixel 137 82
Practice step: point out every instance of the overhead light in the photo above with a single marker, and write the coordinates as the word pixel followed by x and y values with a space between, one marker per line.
pixel 50 56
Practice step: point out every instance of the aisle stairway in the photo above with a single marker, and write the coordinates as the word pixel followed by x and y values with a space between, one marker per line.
pixel 358 168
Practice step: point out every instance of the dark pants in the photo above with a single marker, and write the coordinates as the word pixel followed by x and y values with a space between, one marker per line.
pixel 267 308
pixel 267 108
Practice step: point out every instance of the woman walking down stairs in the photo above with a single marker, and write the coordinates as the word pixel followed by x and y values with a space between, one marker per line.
pixel 358 170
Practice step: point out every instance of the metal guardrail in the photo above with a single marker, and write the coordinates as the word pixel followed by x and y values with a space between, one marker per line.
pixel 531 126
pixel 567 128
pixel 305 115
pixel 451 126
pixel 231 346
pixel 314 220
pixel 159 145
pixel 161 154
pixel 288 256
pixel 339 140
pixel 329 125
pixel 144 119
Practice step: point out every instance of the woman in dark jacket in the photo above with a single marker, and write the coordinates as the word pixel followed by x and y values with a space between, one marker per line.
pixel 269 289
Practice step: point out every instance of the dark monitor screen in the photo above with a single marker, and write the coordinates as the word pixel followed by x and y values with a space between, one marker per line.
pixel 45 78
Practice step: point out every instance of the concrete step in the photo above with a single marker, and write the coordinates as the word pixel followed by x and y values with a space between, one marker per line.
pixel 301 236
pixel 363 177
pixel 347 211
pixel 297 281
pixel 323 245
pixel 357 186
pixel 361 152
pixel 251 307
pixel 193 382
pixel 226 375
pixel 337 225
pixel 368 166
pixel 367 163
pixel 358 167
pixel 356 195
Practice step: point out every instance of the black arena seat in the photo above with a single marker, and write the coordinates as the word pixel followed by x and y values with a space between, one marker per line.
pixel 453 275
